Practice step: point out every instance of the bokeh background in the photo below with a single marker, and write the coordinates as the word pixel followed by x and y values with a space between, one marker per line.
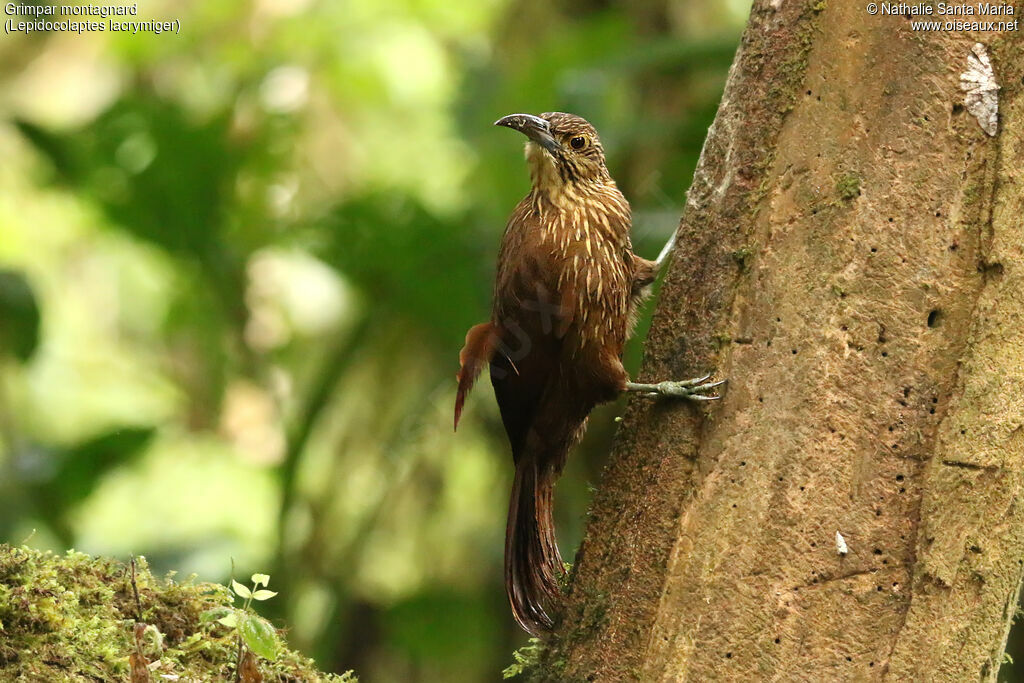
pixel 236 268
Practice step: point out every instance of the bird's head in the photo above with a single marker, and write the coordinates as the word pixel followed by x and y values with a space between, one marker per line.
pixel 562 149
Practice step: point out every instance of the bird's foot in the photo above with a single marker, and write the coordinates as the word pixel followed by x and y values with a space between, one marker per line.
pixel 690 389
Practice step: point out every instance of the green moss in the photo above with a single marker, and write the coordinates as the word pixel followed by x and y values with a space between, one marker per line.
pixel 72 617
pixel 525 660
pixel 848 187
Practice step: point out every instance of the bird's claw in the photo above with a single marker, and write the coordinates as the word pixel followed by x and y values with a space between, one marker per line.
pixel 690 389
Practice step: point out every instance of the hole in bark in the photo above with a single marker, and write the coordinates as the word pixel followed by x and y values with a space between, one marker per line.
pixel 953 246
pixel 801 488
pixel 935 399
pixel 890 219
pixel 891 427
pixel 760 399
pixel 871 663
pixel 743 463
pixel 873 250
pixel 958 108
pixel 902 490
pixel 879 589
pixel 808 92
pixel 849 659
pixel 934 317
pixel 777 641
pixel 938 214
pixel 877 551
pixel 728 655
pixel 885 354
pixel 899 477
pixel 931 411
pixel 878 513
pixel 906 392
pixel 794 352
pixel 769 343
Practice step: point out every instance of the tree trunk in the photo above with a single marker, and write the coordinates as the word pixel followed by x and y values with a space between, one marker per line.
pixel 851 258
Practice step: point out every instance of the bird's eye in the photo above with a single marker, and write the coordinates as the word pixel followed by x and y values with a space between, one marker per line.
pixel 578 142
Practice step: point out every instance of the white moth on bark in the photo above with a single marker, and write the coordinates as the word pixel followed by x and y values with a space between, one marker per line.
pixel 841 544
pixel 982 91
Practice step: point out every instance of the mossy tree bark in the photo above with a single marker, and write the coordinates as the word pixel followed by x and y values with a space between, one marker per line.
pixel 852 257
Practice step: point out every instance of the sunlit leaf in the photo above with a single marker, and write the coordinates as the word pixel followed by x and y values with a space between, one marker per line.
pixel 215 614
pixel 230 620
pixel 261 579
pixel 263 595
pixel 240 590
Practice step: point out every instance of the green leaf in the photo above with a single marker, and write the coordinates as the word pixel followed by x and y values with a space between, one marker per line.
pixel 263 595
pixel 240 590
pixel 231 620
pixel 215 614
pixel 261 579
pixel 259 635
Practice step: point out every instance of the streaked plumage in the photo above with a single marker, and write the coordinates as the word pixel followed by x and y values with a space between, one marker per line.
pixel 565 297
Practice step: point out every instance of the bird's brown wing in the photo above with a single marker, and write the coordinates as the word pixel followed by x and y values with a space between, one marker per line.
pixel 530 317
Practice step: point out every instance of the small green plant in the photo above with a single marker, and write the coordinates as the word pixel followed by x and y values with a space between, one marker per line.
pixel 254 633
pixel 848 187
pixel 526 657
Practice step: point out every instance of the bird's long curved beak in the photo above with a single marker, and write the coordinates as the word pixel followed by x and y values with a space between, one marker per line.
pixel 533 127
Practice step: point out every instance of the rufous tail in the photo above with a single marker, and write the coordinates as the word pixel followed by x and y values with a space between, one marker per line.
pixel 533 564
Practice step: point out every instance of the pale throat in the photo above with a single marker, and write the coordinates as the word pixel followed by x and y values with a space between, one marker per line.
pixel 548 182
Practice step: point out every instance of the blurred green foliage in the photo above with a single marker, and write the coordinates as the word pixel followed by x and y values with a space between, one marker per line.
pixel 236 267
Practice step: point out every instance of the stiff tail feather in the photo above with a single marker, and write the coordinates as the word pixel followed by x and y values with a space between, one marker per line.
pixel 532 561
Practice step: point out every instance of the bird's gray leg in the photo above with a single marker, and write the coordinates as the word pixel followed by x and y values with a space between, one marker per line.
pixel 689 389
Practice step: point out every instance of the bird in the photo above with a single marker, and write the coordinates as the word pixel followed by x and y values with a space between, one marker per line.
pixel 566 294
